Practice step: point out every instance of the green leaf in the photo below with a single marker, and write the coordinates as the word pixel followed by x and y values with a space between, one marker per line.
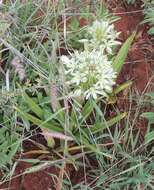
pixel 149 116
pixel 33 106
pixel 122 54
pixel 101 126
pixel 39 122
pixel 91 147
pixel 151 31
pixel 31 161
pixel 74 24
pixel 87 109
pixel 149 137
pixel 150 94
pixel 122 87
pixel 116 119
pixel 14 148
pixel 9 144
pixel 36 168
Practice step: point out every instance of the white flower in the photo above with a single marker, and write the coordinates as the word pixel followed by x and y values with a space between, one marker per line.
pixel 89 74
pixel 103 35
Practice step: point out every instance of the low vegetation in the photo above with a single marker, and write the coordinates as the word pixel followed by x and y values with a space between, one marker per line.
pixel 59 68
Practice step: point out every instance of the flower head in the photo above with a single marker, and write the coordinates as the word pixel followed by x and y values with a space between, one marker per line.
pixel 103 35
pixel 89 73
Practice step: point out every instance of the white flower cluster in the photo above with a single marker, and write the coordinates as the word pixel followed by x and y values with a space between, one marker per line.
pixel 89 73
pixel 103 35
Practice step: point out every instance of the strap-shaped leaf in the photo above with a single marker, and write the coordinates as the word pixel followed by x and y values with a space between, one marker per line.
pixel 39 122
pixel 149 137
pixel 122 87
pixel 33 106
pixel 87 110
pixel 101 126
pixel 149 116
pixel 122 54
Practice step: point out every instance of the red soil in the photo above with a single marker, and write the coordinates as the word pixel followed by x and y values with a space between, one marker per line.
pixel 139 63
pixel 41 180
pixel 139 60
